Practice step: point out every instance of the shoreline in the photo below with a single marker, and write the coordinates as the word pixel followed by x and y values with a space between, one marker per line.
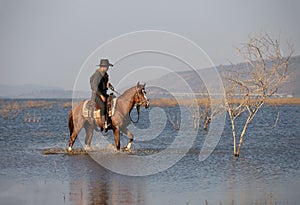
pixel 161 102
pixel 157 102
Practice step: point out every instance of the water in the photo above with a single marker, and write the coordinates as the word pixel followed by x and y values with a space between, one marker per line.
pixel 267 171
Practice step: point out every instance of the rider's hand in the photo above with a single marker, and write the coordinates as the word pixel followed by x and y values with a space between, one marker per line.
pixel 103 98
pixel 111 87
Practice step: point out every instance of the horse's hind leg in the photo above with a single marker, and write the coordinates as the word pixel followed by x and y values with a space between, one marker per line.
pixel 73 137
pixel 89 135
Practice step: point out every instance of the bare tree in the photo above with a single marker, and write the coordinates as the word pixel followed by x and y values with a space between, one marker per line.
pixel 200 109
pixel 212 108
pixel 173 118
pixel 204 109
pixel 250 84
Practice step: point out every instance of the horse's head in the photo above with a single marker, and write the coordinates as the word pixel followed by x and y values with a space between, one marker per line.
pixel 140 97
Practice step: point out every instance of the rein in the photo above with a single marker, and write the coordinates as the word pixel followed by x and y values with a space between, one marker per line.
pixel 137 108
pixel 116 92
pixel 138 112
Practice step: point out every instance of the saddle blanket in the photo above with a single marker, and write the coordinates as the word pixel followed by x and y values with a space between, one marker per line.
pixel 96 114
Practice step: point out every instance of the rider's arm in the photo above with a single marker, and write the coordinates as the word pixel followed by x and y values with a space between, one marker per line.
pixel 110 86
pixel 94 81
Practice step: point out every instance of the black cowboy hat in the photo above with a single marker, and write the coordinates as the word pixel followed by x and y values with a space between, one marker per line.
pixel 105 63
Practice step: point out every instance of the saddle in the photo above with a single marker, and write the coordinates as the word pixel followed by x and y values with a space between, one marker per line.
pixel 111 106
pixel 87 113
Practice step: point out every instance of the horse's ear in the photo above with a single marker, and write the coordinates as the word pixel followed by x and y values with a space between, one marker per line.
pixel 144 85
pixel 138 84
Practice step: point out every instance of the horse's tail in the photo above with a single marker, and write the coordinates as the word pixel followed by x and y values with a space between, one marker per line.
pixel 71 123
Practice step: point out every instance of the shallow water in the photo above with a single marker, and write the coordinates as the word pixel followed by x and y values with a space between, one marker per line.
pixel 267 171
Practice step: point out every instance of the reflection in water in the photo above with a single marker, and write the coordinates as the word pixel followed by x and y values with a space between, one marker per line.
pixel 240 186
pixel 92 184
pixel 266 173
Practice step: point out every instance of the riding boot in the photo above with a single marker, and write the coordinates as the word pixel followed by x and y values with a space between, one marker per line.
pixel 103 119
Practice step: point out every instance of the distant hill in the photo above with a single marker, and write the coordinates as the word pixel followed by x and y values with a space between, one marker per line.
pixel 292 86
pixel 165 86
pixel 17 90
pixel 176 82
pixel 38 91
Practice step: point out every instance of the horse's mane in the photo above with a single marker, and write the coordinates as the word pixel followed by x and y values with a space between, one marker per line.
pixel 128 92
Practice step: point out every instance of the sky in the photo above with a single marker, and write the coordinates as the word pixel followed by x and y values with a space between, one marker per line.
pixel 51 42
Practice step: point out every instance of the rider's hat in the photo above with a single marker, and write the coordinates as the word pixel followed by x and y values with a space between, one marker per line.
pixel 105 63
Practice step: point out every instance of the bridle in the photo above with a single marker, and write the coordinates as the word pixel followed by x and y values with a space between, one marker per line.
pixel 138 105
pixel 145 101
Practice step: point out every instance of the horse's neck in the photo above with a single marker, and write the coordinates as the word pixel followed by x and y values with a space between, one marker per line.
pixel 125 102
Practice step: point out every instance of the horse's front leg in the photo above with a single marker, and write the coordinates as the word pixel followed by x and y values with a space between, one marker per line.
pixel 117 137
pixel 130 136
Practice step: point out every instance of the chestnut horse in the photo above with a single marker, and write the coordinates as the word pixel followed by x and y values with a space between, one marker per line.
pixel 120 120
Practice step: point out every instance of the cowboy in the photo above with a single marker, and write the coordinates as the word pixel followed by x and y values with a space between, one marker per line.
pixel 99 82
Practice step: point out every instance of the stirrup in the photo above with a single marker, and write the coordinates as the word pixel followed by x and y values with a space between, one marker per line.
pixel 107 124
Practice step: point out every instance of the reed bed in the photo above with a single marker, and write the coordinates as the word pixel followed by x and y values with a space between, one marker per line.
pixel 10 109
pixel 169 102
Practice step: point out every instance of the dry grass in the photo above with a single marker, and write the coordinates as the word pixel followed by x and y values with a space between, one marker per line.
pixel 276 101
pixel 284 101
pixel 67 105
pixel 38 104
pixel 163 102
pixel 10 109
pixel 204 101
pixel 51 151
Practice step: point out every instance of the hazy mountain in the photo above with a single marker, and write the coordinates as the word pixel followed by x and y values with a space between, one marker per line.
pixel 167 85
pixel 178 82
pixel 17 90
pixel 37 91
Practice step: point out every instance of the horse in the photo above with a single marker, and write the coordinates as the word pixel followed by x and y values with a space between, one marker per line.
pixel 135 96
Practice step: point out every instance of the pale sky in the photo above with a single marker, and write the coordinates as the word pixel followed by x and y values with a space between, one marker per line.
pixel 47 42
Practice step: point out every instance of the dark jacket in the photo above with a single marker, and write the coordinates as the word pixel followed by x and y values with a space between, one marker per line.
pixel 98 82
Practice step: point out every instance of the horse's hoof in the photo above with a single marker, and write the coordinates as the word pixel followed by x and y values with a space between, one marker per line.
pixel 87 148
pixel 125 149
pixel 129 151
pixel 70 149
pixel 128 146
